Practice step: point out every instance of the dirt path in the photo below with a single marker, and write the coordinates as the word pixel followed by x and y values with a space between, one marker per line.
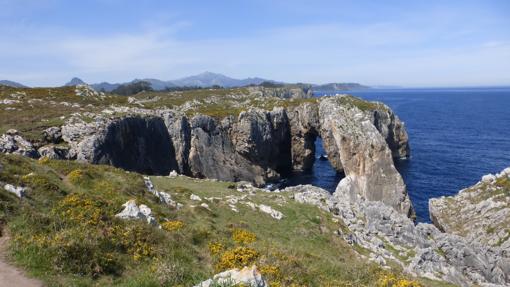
pixel 9 275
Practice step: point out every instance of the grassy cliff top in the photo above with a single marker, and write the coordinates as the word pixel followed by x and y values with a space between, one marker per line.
pixel 65 231
pixel 31 110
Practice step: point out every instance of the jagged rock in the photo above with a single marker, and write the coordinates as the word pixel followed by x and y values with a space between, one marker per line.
pixel 310 194
pixel 133 211
pixel 248 276
pixel 391 129
pixel 179 130
pixel 481 213
pixel 269 210
pixel 19 191
pixel 255 147
pixel 163 196
pixel 305 125
pixel 84 90
pixel 12 142
pixel 53 135
pixel 173 173
pixel 258 146
pixel 133 143
pixel 285 92
pixel 54 152
pixel 422 250
pixel 365 156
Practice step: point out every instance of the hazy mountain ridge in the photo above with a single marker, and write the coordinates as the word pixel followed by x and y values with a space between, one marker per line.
pixel 204 80
pixel 12 84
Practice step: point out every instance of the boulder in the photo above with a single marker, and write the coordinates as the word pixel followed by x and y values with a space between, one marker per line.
pixel 11 142
pixel 248 276
pixel 19 191
pixel 54 152
pixel 53 135
pixel 133 211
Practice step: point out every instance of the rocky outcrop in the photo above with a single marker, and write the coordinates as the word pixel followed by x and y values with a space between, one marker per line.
pixel 304 126
pixel 364 155
pixel 136 143
pixel 54 152
pixel 480 213
pixel 254 147
pixel 283 92
pixel 389 237
pixel 392 130
pixel 259 146
pixel 133 211
pixel 12 142
pixel 248 276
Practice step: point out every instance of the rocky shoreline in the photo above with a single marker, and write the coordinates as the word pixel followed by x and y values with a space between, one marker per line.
pixel 468 244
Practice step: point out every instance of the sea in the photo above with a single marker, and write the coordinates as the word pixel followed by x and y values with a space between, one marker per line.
pixel 456 135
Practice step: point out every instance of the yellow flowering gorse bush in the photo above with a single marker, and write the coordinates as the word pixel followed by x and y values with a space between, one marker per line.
pixel 242 236
pixel 172 225
pixel 237 258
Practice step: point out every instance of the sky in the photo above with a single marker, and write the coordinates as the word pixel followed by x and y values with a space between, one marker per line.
pixel 404 43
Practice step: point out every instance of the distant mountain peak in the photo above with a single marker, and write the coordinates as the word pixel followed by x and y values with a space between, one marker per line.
pixel 75 81
pixel 12 84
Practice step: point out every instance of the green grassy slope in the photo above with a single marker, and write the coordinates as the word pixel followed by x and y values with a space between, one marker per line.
pixel 65 233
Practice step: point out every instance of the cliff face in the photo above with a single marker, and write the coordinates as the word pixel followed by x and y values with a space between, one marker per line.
pixel 137 144
pixel 257 146
pixel 364 155
pixel 480 213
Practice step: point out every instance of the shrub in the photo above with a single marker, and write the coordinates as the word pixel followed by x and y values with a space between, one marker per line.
pixel 215 248
pixel 79 209
pixel 242 236
pixel 76 176
pixel 391 280
pixel 172 225
pixel 237 258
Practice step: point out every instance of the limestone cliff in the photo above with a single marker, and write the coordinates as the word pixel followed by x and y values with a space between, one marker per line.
pixel 364 155
pixel 480 213
pixel 257 145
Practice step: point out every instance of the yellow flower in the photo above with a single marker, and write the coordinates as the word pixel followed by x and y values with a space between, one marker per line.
pixel 172 225
pixel 215 247
pixel 242 236
pixel 237 258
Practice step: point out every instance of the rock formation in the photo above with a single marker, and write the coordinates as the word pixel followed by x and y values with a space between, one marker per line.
pixel 248 276
pixel 364 155
pixel 480 213
pixel 390 237
pixel 12 142
pixel 258 145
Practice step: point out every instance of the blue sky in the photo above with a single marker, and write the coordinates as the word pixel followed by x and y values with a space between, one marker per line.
pixel 406 43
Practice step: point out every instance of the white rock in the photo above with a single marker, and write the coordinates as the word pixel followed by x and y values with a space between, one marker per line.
pixel 195 197
pixel 132 211
pixel 173 173
pixel 247 276
pixel 269 210
pixel 488 178
pixel 18 190
pixel 205 205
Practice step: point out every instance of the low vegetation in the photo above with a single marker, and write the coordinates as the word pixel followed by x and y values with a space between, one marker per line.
pixel 66 233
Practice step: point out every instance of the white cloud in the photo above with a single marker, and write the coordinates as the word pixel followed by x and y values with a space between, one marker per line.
pixel 377 53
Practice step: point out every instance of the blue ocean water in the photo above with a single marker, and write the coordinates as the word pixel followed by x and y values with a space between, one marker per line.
pixel 456 136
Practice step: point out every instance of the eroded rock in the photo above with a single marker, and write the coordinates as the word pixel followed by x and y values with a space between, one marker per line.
pixel 248 276
pixel 480 213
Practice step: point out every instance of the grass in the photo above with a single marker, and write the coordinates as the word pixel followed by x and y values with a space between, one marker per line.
pixel 66 234
pixel 39 108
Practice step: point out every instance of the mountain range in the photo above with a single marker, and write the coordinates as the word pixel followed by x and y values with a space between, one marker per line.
pixel 206 79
